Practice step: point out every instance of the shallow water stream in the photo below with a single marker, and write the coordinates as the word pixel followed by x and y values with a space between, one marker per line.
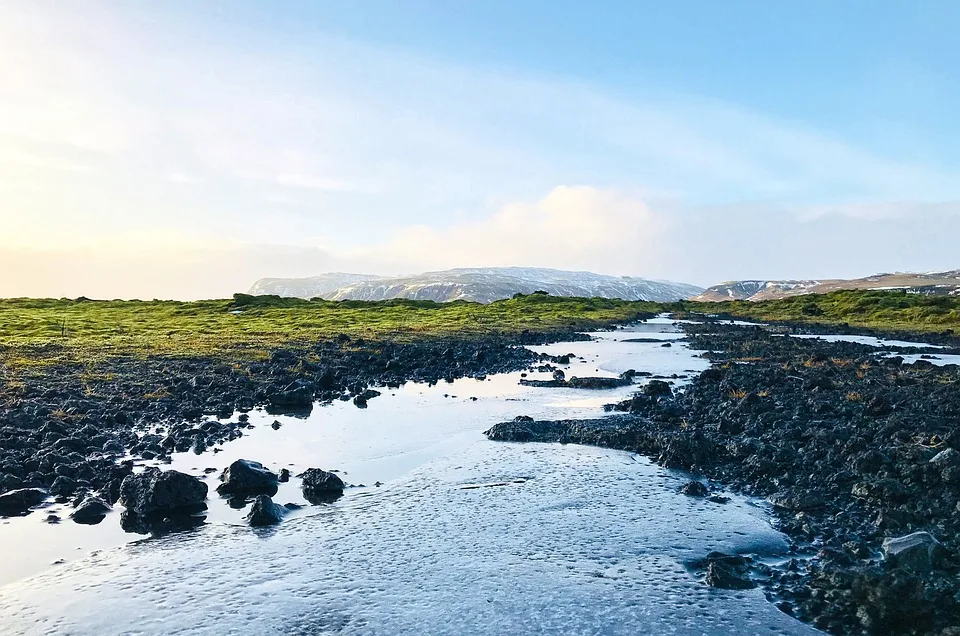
pixel 463 536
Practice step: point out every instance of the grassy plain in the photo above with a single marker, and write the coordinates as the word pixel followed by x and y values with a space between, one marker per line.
pixel 47 331
pixel 880 310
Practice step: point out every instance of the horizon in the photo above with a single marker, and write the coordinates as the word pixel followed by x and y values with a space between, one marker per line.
pixel 184 151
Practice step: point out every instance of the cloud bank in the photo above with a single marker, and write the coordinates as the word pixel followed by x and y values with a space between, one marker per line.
pixel 570 227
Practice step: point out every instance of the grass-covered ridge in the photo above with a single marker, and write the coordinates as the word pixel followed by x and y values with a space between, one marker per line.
pixel 883 310
pixel 46 330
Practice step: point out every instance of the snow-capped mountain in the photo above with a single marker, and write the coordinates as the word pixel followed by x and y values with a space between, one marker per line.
pixel 927 283
pixel 484 284
pixel 313 287
pixel 755 289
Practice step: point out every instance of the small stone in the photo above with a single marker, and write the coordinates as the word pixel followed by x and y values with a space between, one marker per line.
pixel 917 552
pixel 265 512
pixel 657 387
pixel 694 489
pixel 320 486
pixel 727 572
pixel 91 511
pixel 946 457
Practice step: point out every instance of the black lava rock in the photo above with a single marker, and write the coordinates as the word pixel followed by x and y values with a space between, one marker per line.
pixel 694 489
pixel 264 512
pixel 18 501
pixel 320 486
pixel 91 511
pixel 154 491
pixel 246 477
pixel 727 572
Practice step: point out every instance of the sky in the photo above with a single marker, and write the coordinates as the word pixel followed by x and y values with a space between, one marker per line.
pixel 178 149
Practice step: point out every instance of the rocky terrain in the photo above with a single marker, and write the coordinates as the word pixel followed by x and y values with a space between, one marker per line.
pixel 856 453
pixel 929 283
pixel 475 284
pixel 67 433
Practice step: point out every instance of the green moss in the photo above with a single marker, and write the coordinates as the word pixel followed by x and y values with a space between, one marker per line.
pixel 886 310
pixel 40 332
pixel 44 331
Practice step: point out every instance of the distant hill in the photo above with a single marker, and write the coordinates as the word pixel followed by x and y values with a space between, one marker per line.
pixel 313 287
pixel 484 284
pixel 930 283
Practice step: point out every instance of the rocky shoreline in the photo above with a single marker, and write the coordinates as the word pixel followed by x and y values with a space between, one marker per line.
pixel 854 450
pixel 70 431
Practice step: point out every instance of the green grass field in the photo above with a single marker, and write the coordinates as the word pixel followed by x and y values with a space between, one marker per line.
pixel 881 310
pixel 50 331
pixel 44 331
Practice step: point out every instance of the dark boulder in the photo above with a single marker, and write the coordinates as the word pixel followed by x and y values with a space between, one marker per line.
pixel 154 491
pixel 63 486
pixel 91 511
pixel 297 396
pixel 727 572
pixel 694 489
pixel 657 387
pixel 19 501
pixel 598 383
pixel 797 500
pixel 265 512
pixel 918 552
pixel 320 486
pixel 245 477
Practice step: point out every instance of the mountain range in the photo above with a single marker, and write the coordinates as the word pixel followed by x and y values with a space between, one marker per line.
pixel 929 283
pixel 482 284
pixel 487 284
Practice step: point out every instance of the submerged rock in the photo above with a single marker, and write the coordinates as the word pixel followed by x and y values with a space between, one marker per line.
pixel 694 489
pixel 246 477
pixel 265 512
pixel 727 572
pixel 321 486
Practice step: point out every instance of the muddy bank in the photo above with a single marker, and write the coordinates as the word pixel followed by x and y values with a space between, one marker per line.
pixel 851 448
pixel 70 430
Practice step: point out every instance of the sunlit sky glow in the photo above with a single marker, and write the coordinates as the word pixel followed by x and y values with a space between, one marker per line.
pixel 185 149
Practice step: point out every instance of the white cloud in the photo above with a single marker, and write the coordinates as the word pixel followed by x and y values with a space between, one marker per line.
pixel 186 179
pixel 876 210
pixel 314 182
pixel 573 227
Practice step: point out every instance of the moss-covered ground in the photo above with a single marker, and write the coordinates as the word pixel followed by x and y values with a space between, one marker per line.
pixel 48 331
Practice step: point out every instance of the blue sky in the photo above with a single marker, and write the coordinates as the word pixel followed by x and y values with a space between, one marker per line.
pixel 184 149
